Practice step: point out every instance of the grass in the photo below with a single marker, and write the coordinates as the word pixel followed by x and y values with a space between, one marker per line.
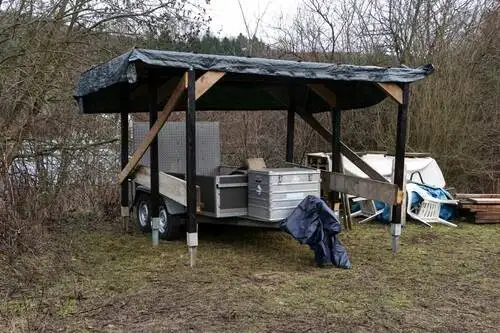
pixel 250 280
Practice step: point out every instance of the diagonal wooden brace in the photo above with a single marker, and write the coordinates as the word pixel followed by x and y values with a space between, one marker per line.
pixel 392 90
pixel 345 150
pixel 325 93
pixel 329 96
pixel 325 134
pixel 203 84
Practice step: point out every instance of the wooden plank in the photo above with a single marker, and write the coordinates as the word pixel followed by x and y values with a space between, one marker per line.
pixel 366 188
pixel 486 201
pixel 346 151
pixel 171 187
pixel 204 83
pixel 481 209
pixel 325 93
pixel 476 195
pixel 392 90
pixel 468 202
pixel 486 221
pixel 486 216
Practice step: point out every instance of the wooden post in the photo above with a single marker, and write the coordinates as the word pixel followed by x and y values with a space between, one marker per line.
pixel 124 199
pixel 290 125
pixel 345 204
pixel 336 157
pixel 192 227
pixel 153 154
pixel 399 173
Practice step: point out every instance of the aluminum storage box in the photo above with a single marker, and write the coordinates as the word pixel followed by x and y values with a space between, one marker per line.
pixel 274 193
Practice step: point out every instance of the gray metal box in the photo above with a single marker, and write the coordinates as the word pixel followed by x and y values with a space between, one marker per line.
pixel 274 193
pixel 222 196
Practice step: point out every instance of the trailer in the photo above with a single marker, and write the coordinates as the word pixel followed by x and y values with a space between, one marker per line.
pixel 161 82
pixel 242 195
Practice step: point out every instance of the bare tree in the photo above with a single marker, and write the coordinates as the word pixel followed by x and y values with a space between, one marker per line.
pixel 46 148
pixel 454 113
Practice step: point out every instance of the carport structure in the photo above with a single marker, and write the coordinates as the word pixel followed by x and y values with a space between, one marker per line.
pixel 160 82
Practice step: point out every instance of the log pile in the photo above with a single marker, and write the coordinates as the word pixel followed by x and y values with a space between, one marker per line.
pixel 483 208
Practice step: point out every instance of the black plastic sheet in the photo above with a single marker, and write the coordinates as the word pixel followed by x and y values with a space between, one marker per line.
pixel 313 223
pixel 248 82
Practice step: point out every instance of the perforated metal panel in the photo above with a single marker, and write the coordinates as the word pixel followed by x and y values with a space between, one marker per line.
pixel 172 146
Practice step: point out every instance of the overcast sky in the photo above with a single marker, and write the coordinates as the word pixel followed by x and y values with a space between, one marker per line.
pixel 227 19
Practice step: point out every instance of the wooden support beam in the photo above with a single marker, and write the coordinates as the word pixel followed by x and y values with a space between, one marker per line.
pixel 392 90
pixel 153 155
pixel 362 187
pixel 191 224
pixel 124 155
pixel 325 93
pixel 345 150
pixel 194 89
pixel 124 195
pixel 204 83
pixel 290 124
pixel 398 210
pixel 154 177
pixel 399 159
pixel 336 150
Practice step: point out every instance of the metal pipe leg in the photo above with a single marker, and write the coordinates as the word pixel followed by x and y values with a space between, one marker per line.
pixel 396 234
pixel 125 218
pixel 192 243
pixel 155 224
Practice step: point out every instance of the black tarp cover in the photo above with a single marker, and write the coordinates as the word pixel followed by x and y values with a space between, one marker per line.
pixel 249 84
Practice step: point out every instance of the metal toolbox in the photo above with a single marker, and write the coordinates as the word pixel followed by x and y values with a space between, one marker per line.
pixel 274 193
pixel 224 195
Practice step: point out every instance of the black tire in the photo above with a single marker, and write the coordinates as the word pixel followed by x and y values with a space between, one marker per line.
pixel 143 212
pixel 172 230
pixel 170 225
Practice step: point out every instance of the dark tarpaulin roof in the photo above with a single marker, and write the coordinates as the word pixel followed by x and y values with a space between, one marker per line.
pixel 249 83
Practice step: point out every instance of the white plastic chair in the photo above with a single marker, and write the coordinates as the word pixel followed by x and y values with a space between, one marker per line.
pixel 367 209
pixel 428 211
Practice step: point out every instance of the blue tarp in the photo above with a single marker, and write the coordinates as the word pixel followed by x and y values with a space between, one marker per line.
pixel 313 223
pixel 447 212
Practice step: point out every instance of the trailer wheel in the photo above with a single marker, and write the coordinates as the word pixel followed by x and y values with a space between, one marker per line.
pixel 170 225
pixel 143 213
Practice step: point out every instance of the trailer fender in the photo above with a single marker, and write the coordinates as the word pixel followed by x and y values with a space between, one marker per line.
pixel 173 208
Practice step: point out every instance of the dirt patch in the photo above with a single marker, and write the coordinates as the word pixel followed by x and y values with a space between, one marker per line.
pixel 427 237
